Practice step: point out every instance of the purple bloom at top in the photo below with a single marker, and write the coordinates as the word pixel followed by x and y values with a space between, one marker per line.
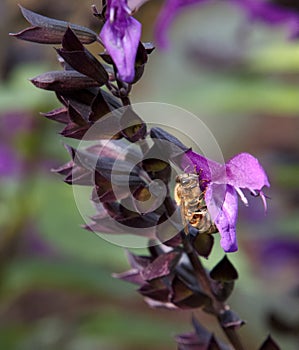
pixel 276 12
pixel 121 35
pixel 222 184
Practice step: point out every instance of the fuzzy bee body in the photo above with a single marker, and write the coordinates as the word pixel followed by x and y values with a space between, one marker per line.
pixel 190 198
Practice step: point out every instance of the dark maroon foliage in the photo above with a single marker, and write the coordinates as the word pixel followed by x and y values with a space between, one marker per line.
pixel 46 30
pixel 127 197
pixel 201 339
pixel 269 344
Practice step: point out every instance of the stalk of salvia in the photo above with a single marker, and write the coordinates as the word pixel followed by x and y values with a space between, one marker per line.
pixel 171 275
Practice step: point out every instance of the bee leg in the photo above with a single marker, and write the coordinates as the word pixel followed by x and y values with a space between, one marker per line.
pixel 184 221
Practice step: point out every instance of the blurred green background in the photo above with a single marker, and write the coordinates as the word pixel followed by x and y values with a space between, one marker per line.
pixel 56 289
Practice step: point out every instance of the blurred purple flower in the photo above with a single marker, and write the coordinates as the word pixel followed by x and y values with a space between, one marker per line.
pixel 222 183
pixel 121 35
pixel 12 125
pixel 33 244
pixel 274 255
pixel 167 15
pixel 9 161
pixel 272 13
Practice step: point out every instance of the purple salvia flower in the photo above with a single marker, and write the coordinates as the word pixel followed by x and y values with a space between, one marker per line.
pixel 121 35
pixel 222 184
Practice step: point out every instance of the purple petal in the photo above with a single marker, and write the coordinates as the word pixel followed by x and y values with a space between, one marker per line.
pixel 166 17
pixel 207 169
pixel 245 171
pixel 224 214
pixel 121 39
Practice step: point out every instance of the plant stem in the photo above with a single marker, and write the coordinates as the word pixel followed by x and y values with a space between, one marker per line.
pixel 124 97
pixel 218 307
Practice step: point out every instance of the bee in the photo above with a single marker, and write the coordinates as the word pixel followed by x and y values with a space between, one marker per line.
pixel 190 198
